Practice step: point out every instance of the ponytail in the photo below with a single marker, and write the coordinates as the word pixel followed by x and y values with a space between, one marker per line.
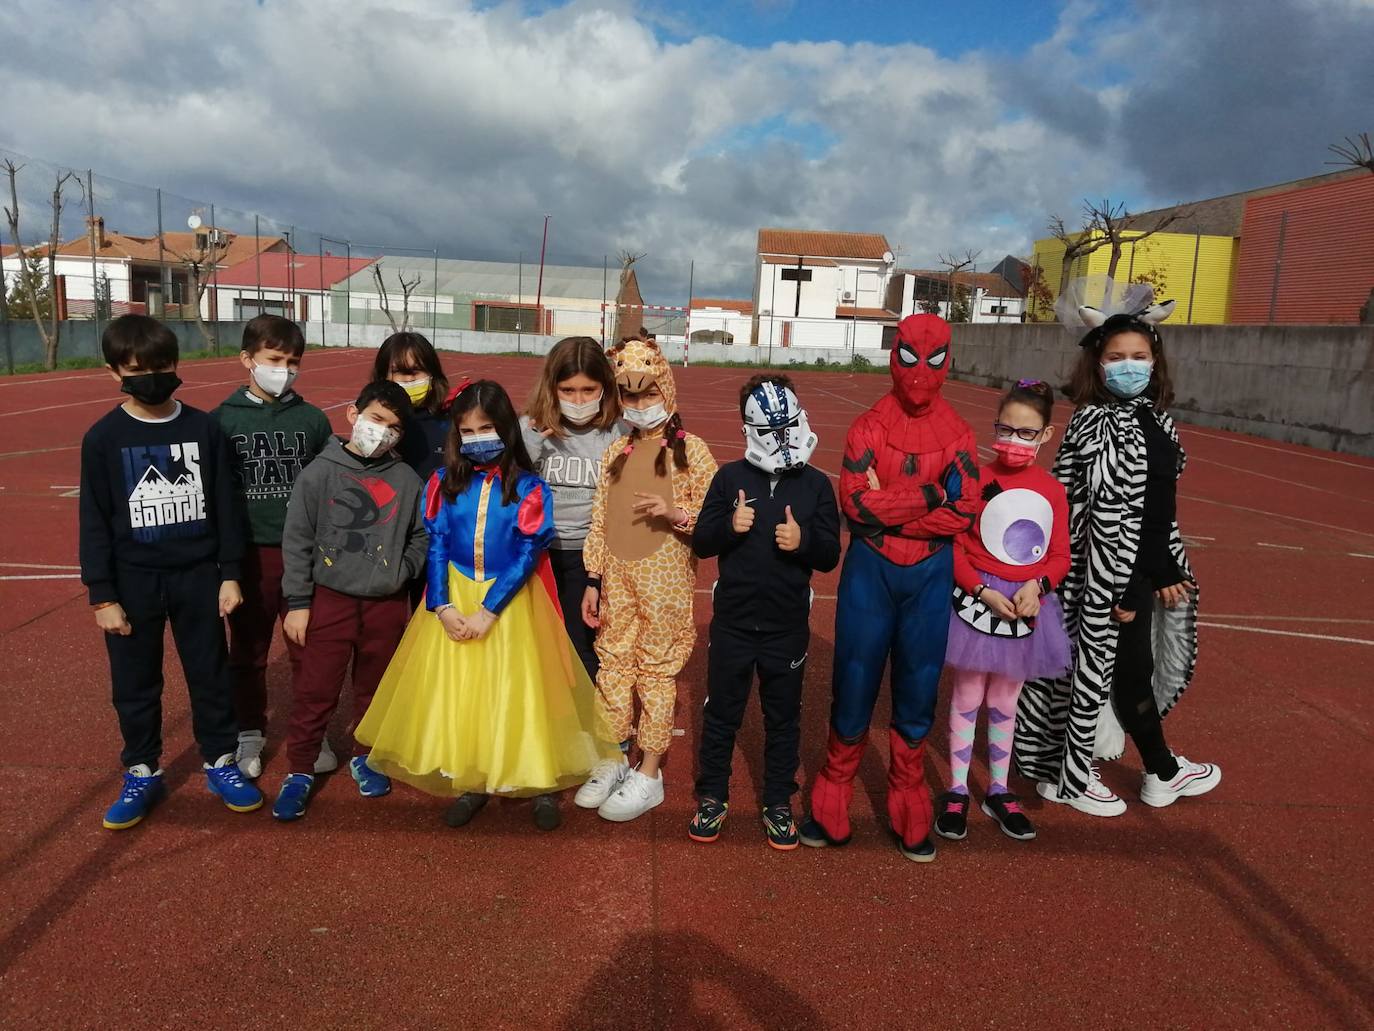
pixel 673 438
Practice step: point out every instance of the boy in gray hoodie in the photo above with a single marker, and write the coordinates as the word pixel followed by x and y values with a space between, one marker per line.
pixel 354 539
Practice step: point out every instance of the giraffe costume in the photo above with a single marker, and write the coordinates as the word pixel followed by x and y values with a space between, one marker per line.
pixel 645 565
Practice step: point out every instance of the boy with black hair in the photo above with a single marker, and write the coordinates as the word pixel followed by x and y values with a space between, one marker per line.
pixel 354 539
pixel 772 520
pixel 273 433
pixel 160 542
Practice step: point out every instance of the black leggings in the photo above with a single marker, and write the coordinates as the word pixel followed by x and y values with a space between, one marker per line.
pixel 1133 693
pixel 571 577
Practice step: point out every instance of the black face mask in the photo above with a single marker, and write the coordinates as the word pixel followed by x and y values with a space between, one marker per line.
pixel 150 388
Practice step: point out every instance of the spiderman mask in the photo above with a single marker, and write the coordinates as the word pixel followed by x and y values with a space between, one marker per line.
pixel 920 360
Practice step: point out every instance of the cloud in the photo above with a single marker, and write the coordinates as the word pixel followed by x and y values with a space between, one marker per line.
pixel 433 124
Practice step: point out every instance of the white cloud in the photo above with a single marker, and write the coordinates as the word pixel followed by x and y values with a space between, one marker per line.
pixel 436 124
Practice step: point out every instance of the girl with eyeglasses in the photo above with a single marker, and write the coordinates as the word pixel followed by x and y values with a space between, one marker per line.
pixel 1130 598
pixel 1006 626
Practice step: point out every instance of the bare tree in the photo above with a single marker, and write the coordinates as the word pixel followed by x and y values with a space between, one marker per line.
pixel 627 258
pixel 1355 152
pixel 1105 224
pixel 953 265
pixel 50 331
pixel 208 249
pixel 407 288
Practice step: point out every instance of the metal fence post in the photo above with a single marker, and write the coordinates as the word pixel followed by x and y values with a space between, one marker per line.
pixel 91 236
pixel 257 262
pixel 1278 265
pixel 348 294
pixel 1192 285
pixel 434 309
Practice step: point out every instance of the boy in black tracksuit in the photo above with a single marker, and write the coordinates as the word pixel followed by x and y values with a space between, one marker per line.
pixel 160 542
pixel 771 519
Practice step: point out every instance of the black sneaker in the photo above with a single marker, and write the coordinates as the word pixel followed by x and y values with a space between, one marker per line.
pixel 780 828
pixel 924 852
pixel 464 809
pixel 812 835
pixel 1006 810
pixel 952 821
pixel 709 819
pixel 546 816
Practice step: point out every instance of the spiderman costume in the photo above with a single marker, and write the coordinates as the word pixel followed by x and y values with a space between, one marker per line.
pixel 907 487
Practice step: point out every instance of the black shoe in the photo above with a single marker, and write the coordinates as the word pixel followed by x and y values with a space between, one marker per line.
pixel 924 852
pixel 780 827
pixel 812 835
pixel 1006 810
pixel 464 809
pixel 546 816
pixel 709 819
pixel 952 821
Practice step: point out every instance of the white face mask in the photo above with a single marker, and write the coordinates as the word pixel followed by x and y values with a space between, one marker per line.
pixel 647 418
pixel 273 380
pixel 372 438
pixel 583 413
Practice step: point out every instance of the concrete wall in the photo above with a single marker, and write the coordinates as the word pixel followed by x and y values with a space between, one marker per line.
pixel 1310 385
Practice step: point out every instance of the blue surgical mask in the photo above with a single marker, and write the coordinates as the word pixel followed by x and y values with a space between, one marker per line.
pixel 483 448
pixel 1128 377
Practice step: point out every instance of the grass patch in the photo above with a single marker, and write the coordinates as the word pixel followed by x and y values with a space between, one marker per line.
pixel 89 362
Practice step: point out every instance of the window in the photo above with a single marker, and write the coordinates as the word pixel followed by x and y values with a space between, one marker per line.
pixel 998 309
pixel 246 308
pixel 505 318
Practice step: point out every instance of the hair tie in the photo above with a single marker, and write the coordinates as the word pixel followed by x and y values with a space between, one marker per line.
pixel 629 449
pixel 681 434
pixel 663 442
pixel 1030 382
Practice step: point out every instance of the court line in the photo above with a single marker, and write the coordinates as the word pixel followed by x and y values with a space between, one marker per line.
pixel 1280 479
pixel 45 576
pixel 1284 633
pixel 1276 515
pixel 1279 547
pixel 33 565
pixel 1290 619
pixel 1297 450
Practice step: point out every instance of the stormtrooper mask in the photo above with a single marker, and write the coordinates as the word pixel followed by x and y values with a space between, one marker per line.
pixel 777 436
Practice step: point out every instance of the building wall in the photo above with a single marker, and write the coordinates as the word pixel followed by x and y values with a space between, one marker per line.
pixel 1168 258
pixel 1326 267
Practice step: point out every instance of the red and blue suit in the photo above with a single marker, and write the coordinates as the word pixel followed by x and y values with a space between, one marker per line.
pixel 908 487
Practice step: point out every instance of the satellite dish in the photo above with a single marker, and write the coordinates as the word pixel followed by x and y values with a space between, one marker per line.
pixel 194 222
pixel 887 257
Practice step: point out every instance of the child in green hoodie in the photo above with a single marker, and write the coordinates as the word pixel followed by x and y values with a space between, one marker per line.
pixel 272 432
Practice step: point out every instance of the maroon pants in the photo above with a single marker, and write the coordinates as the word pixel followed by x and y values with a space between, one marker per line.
pixel 250 635
pixel 342 628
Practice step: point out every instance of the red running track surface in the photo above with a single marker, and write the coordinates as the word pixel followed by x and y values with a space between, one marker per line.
pixel 1249 907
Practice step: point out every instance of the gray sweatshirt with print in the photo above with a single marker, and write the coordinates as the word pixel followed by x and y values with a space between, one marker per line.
pixel 354 525
pixel 571 466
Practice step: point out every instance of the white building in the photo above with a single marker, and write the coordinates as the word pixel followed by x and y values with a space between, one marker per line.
pixel 295 286
pixel 721 321
pixel 822 289
pixel 990 297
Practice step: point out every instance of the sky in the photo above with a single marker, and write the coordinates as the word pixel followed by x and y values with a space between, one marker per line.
pixel 673 130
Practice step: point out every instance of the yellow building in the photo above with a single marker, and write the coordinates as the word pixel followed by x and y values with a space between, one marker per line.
pixel 1193 269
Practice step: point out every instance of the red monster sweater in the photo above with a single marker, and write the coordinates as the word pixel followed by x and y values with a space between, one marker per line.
pixel 1021 534
pixel 908 517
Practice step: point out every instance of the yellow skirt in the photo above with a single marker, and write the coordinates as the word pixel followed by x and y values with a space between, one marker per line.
pixel 510 714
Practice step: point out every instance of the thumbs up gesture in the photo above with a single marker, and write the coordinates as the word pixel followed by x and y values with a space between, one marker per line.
pixel 788 533
pixel 744 515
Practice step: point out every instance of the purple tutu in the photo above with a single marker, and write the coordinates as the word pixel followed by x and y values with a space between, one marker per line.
pixel 1045 653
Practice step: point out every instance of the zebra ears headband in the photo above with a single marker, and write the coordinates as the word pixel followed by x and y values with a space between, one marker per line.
pixel 1146 321
pixel 1153 313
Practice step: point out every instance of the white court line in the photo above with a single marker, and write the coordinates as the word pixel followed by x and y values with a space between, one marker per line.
pixel 1276 515
pixel 32 565
pixel 1278 547
pixel 45 576
pixel 1292 449
pixel 1284 633
pixel 1280 479
pixel 1290 619
pixel 1358 554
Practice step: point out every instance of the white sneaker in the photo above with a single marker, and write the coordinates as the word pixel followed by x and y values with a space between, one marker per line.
pixel 605 778
pixel 1097 799
pixel 326 761
pixel 1192 779
pixel 249 755
pixel 636 795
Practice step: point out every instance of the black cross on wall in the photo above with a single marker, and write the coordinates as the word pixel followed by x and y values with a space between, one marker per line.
pixel 798 275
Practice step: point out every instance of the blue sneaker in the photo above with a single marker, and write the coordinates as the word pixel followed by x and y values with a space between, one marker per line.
pixel 371 784
pixel 226 780
pixel 142 789
pixel 293 797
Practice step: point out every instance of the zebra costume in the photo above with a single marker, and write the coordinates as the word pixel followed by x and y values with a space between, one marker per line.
pixel 1065 723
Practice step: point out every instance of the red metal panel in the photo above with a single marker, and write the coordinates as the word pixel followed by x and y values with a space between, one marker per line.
pixel 1326 268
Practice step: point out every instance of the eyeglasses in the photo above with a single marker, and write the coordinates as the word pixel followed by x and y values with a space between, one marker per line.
pixel 1005 432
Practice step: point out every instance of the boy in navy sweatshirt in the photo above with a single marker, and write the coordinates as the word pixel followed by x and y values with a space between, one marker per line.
pixel 273 433
pixel 160 542
pixel 772 520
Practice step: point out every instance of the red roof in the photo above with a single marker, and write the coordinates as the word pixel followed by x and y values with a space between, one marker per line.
pixel 293 271
pixel 818 243
pixel 742 307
